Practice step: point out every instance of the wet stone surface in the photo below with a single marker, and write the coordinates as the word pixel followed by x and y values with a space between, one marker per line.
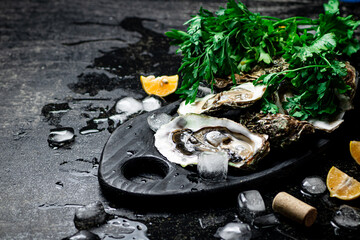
pixel 65 64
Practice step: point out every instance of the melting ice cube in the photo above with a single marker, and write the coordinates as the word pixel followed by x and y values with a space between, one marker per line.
pixel 251 201
pixel 156 120
pixel 90 216
pixel 234 231
pixel 266 221
pixel 213 166
pixel 129 106
pixel 314 185
pixel 151 103
pixel 347 217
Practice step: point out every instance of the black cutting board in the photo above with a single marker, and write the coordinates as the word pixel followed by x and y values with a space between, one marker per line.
pixel 131 166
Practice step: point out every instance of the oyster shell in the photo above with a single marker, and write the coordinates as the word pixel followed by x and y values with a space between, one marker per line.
pixel 183 139
pixel 282 129
pixel 345 102
pixel 279 65
pixel 241 96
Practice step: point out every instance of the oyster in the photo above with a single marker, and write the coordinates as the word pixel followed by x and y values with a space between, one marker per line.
pixel 241 96
pixel 183 139
pixel 279 65
pixel 345 101
pixel 282 129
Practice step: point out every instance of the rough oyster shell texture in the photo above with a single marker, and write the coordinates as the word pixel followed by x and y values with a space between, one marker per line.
pixel 345 101
pixel 182 140
pixel 241 96
pixel 282 129
pixel 279 65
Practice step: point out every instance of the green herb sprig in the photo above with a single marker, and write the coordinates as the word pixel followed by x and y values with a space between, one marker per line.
pixel 234 40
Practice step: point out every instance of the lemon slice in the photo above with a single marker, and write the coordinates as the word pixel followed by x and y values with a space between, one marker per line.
pixel 341 185
pixel 355 150
pixel 160 86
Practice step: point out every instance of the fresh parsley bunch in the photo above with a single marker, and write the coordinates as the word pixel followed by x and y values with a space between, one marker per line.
pixel 234 40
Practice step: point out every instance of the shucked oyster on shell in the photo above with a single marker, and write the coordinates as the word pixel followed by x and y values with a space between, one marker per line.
pixel 183 139
pixel 240 96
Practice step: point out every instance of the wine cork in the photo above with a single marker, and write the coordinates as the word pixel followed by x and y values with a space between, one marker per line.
pixel 293 208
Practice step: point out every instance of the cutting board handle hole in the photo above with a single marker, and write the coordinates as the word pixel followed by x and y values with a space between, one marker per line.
pixel 145 169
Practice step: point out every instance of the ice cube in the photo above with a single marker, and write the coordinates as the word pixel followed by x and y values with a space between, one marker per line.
pixel 83 235
pixel 251 201
pixel 90 216
pixel 266 221
pixel 129 106
pixel 151 103
pixel 213 166
pixel 234 231
pixel 347 217
pixel 313 185
pixel 156 120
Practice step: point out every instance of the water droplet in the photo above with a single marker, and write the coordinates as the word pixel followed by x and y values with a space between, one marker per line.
pixel 59 185
pixel 85 115
pixel 54 111
pixel 130 153
pixel 90 128
pixel 61 137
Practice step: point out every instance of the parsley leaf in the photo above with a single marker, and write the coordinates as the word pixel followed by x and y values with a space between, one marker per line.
pixel 234 40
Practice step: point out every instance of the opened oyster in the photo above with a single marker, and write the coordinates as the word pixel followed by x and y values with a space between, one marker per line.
pixel 183 139
pixel 241 96
pixel 282 129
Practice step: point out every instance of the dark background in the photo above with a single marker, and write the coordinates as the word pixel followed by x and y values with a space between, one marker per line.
pixel 89 54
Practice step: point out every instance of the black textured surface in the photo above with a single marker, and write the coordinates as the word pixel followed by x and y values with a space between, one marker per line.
pixel 52 56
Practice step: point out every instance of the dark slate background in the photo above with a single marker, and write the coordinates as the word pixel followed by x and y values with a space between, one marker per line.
pixel 89 54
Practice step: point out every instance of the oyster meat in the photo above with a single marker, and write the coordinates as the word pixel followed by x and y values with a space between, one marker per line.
pixel 241 96
pixel 282 129
pixel 183 139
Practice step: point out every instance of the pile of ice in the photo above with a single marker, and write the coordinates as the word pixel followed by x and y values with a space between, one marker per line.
pixel 128 107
